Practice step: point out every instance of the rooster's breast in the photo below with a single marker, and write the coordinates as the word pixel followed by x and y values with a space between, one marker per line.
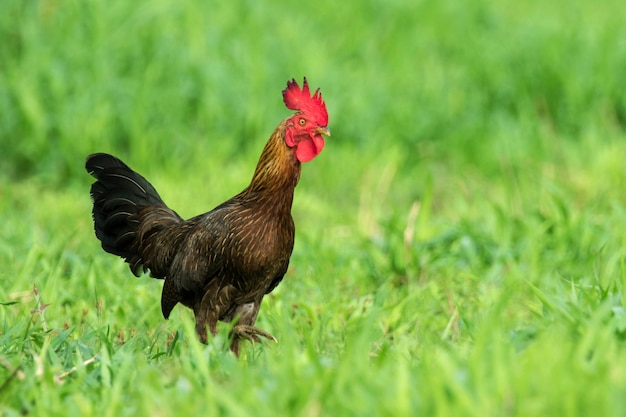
pixel 258 248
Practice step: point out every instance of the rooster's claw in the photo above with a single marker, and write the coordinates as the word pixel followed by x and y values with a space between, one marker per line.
pixel 251 333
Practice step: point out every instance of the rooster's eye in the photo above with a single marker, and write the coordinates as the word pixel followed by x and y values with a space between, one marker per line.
pixel 302 122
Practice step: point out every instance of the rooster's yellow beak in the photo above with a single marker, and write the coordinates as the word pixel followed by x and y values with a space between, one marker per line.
pixel 323 131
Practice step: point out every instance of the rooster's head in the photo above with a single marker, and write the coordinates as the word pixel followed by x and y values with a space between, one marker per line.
pixel 305 129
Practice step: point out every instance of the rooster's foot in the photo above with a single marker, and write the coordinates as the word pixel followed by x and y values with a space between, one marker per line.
pixel 251 333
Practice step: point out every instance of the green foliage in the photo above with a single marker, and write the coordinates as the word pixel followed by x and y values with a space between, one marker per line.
pixel 460 246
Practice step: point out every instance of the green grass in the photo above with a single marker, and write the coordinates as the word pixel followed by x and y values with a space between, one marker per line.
pixel 460 246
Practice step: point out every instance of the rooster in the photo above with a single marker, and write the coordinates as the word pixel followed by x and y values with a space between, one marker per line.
pixel 221 263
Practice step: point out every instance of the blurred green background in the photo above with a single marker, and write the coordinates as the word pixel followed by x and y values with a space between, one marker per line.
pixel 477 83
pixel 462 228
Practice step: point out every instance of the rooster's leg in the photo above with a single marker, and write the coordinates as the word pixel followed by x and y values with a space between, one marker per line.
pixel 204 318
pixel 244 329
pixel 201 331
pixel 251 333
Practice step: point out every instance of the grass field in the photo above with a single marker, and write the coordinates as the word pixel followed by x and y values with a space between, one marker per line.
pixel 461 241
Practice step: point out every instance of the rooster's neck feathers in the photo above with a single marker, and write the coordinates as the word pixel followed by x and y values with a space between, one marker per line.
pixel 278 171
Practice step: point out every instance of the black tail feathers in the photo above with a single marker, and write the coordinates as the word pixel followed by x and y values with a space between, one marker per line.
pixel 119 196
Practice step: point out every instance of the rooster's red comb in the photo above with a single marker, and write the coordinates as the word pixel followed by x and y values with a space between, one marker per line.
pixel 301 99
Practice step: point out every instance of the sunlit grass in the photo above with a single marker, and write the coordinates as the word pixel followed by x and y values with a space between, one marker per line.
pixel 459 245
